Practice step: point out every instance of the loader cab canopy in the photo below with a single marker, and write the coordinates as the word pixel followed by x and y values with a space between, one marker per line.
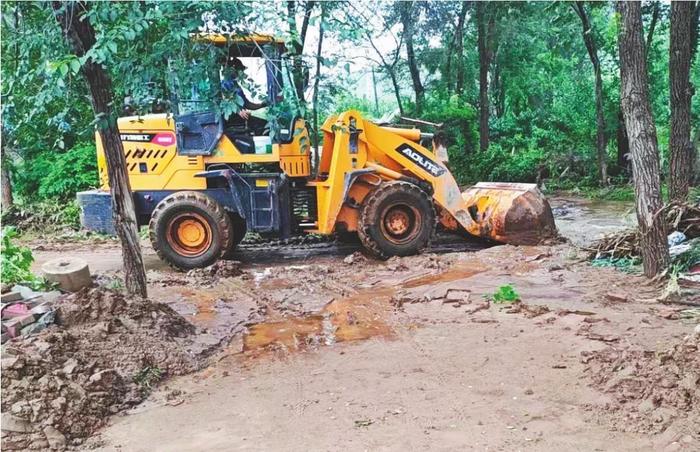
pixel 198 87
pixel 222 75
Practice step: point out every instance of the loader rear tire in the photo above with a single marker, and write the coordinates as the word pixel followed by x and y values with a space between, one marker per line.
pixel 397 219
pixel 189 230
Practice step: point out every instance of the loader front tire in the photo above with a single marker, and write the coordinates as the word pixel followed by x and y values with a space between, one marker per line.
pixel 397 219
pixel 189 230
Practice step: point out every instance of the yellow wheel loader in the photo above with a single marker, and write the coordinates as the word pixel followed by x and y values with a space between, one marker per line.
pixel 201 183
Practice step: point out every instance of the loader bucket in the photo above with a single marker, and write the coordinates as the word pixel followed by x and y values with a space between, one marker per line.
pixel 512 213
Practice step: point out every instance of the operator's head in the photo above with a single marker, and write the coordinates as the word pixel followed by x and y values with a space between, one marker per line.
pixel 235 63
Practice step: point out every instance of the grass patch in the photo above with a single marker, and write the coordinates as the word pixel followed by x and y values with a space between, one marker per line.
pixel 624 264
pixel 148 377
pixel 504 295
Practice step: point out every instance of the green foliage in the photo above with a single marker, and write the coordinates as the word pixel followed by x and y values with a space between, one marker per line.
pixel 17 261
pixel 58 175
pixel 498 164
pixel 624 264
pixel 44 216
pixel 504 295
pixel 684 261
pixel 147 377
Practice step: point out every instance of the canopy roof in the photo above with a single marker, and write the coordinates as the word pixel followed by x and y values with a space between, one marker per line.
pixel 249 45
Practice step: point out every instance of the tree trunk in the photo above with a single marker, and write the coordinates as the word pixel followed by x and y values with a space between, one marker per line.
pixel 299 72
pixel 407 22
pixel 316 84
pixel 623 144
pixel 680 145
pixel 72 17
pixel 459 38
pixel 484 38
pixel 652 27
pixel 5 180
pixel 642 136
pixel 601 142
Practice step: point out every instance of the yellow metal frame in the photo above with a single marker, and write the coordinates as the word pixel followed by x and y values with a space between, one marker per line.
pixel 167 170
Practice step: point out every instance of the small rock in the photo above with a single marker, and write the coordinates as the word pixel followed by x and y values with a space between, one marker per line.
pixel 70 366
pixel 616 297
pixel 11 423
pixel 56 439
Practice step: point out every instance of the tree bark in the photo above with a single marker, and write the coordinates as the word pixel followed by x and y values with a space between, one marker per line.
pixel 485 26
pixel 459 38
pixel 81 35
pixel 407 22
pixel 316 85
pixel 591 47
pixel 642 136
pixel 299 74
pixel 652 27
pixel 680 146
pixel 5 180
pixel 623 144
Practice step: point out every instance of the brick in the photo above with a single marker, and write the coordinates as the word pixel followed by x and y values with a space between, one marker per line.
pixel 14 295
pixel 15 310
pixel 14 326
pixel 41 309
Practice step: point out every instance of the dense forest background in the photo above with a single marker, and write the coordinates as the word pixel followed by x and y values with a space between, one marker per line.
pixel 528 91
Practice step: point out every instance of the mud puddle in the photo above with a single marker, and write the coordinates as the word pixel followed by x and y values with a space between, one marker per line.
pixel 358 317
pixel 361 316
pixel 584 221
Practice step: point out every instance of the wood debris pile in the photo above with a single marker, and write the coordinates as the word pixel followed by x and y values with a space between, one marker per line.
pixel 681 217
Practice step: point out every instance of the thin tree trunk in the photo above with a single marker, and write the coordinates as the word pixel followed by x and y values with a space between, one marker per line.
pixel 299 74
pixel 680 145
pixel 484 36
pixel 72 17
pixel 652 28
pixel 592 49
pixel 642 135
pixel 316 84
pixel 459 38
pixel 407 21
pixel 5 180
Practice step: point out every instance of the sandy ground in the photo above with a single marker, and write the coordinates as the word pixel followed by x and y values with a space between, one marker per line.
pixel 336 353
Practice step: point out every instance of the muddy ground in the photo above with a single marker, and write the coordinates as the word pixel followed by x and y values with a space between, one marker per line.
pixel 327 350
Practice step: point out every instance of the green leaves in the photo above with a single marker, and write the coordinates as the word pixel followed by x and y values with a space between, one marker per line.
pixel 505 294
pixel 17 261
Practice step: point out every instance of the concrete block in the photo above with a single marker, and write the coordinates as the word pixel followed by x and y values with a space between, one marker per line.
pixel 14 326
pixel 41 309
pixel 14 295
pixel 70 273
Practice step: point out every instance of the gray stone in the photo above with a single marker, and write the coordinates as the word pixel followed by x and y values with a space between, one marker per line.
pixel 12 423
pixel 8 297
pixel 56 439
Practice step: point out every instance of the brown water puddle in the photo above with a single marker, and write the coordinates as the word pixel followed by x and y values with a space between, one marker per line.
pixel 458 272
pixel 354 318
pixel 358 317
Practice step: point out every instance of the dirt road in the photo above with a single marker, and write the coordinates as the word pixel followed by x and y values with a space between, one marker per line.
pixel 341 353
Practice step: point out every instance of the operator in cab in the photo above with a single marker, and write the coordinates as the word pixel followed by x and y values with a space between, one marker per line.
pixel 234 70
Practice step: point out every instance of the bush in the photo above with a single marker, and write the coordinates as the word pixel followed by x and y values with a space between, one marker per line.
pixel 498 165
pixel 45 216
pixel 58 175
pixel 17 261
